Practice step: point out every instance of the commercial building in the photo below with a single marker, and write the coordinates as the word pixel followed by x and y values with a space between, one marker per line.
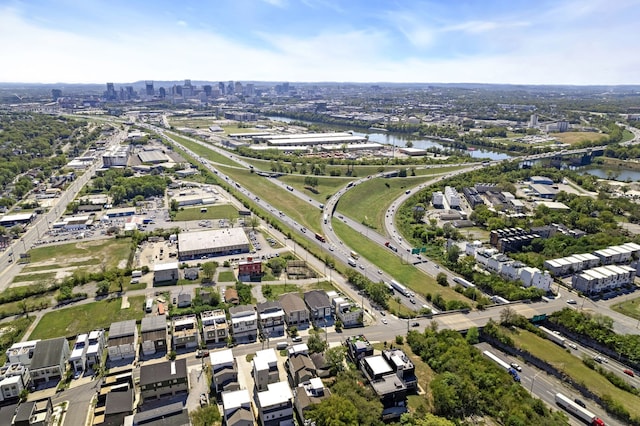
pixel 224 371
pixel 437 199
pixel 123 340
pixel 153 334
pixel 164 379
pixel 214 326
pixel 165 272
pixel 10 220
pixel 295 310
pixel 275 405
pixel 116 156
pixel 250 269
pixel 192 245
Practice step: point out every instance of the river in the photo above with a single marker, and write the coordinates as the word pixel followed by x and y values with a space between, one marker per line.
pixel 400 140
pixel 622 175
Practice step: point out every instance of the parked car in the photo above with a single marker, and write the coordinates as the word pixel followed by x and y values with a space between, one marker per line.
pixel 571 301
pixel 296 339
pixel 202 353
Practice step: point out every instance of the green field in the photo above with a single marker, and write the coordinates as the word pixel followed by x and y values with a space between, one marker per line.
pixel 45 276
pixel 203 151
pixel 226 277
pixel 223 211
pixel 630 308
pixel 573 367
pixel 70 322
pixel 327 186
pixel 381 256
pixel 297 209
pixel 94 252
pixel 367 202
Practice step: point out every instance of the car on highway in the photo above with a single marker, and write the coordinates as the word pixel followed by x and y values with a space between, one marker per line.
pixel 573 345
pixel 571 301
pixel 516 366
pixel 580 403
pixel 629 372
pixel 412 301
pixel 361 266
pixel 383 313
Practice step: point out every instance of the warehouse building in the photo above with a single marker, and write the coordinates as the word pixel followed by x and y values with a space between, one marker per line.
pixel 192 245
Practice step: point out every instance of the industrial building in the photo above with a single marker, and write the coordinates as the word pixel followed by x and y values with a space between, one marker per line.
pixel 117 156
pixel 452 197
pixel 192 245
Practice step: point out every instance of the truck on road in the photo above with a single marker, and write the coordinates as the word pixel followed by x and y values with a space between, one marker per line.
pixel 556 338
pixel 400 288
pixel 512 371
pixel 578 411
pixel 352 262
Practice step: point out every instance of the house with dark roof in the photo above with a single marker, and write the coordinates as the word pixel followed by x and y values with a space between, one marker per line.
pixel 295 310
pixel 34 413
pixel 174 414
pixel 271 317
pixel 224 371
pixel 164 379
pixel 153 333
pixel 118 406
pixel 49 361
pixel 319 306
pixel 300 368
pixel 123 340
pixel 308 393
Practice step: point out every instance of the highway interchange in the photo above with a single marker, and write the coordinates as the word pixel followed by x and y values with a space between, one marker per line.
pixel 541 385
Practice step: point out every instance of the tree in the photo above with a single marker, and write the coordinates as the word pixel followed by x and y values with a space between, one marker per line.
pixel 254 221
pixel 205 416
pixel 208 270
pixel 453 253
pixel 418 212
pixel 335 359
pixel 441 279
pixel 316 343
pixel 334 411
pixel 508 316
pixel 118 194
pixel 473 335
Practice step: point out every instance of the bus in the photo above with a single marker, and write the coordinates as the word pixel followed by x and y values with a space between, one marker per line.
pixel 354 254
pixel 320 238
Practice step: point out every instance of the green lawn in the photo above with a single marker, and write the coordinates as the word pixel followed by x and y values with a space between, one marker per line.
pixel 274 291
pixel 45 276
pixel 327 186
pixel 203 151
pixel 630 308
pixel 223 211
pixel 96 252
pixel 299 210
pixel 368 202
pixel 69 322
pixel 381 256
pixel 573 367
pixel 226 277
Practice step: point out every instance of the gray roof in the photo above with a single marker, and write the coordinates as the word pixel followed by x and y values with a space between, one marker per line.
pixel 241 414
pixel 266 306
pixel 122 328
pixel 167 415
pixel 24 411
pixel 156 322
pixel 291 302
pixel 119 402
pixel 154 373
pixel 6 414
pixel 316 299
pixel 47 353
pixel 240 308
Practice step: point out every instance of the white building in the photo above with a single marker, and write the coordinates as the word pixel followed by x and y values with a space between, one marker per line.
pixel 21 352
pixel 265 368
pixel 452 197
pixel 236 408
pixel 78 359
pixel 534 277
pixel 13 379
pixel 116 156
pixel 275 405
pixel 95 349
pixel 244 322
pixel 437 199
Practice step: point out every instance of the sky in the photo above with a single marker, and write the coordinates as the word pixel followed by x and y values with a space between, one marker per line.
pixel 579 42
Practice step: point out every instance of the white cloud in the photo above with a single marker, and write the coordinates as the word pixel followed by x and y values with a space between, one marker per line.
pixel 418 32
pixel 182 23
pixel 477 27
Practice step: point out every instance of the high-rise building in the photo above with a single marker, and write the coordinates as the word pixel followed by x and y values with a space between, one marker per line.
pixel 149 88
pixel 55 94
pixel 110 94
pixel 221 88
pixel 162 92
pixel 238 88
pixel 250 90
pixel 230 88
pixel 207 89
pixel 533 121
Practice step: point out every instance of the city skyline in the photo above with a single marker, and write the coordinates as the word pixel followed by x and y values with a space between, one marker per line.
pixel 590 42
